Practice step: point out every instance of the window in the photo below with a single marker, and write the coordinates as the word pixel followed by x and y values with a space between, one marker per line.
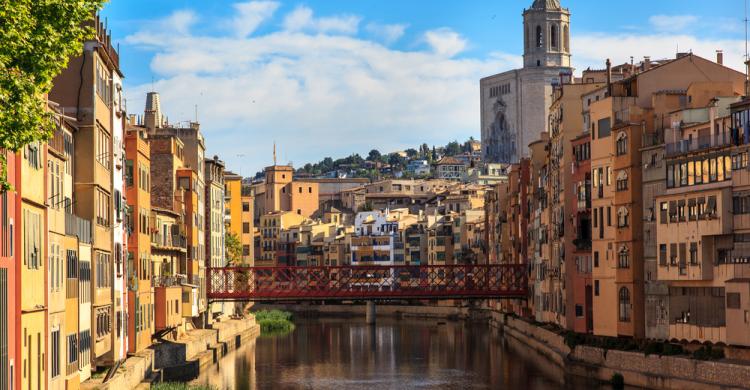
pixel 734 301
pixel 622 143
pixel 103 270
pixel 596 259
pixel 624 304
pixel 579 311
pixel 103 83
pixel 596 288
pixel 33 155
pixel 246 250
pixel 72 357
pixel 103 148
pixel 553 36
pixel 622 217
pixel 604 128
pixel 622 181
pixel 609 216
pixel 129 173
pixel 692 210
pixel 711 208
pixel 246 205
pixel 623 258
pixel 693 253
pixel 102 208
pixel 55 353
pixel 32 239
pixel 246 227
pixel 539 36
pixel 663 254
pixel 663 212
pixel 681 210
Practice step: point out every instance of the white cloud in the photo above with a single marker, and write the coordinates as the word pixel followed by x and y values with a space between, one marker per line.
pixel 593 49
pixel 302 19
pixel 445 42
pixel 316 94
pixel 251 14
pixel 388 33
pixel 672 23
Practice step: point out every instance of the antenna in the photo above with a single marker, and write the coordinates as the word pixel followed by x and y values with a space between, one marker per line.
pixel 196 113
pixel 152 83
pixel 746 57
pixel 274 153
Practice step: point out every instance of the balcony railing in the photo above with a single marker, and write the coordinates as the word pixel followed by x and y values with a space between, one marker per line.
pixel 79 227
pixel 653 139
pixel 698 143
pixel 172 280
pixel 169 240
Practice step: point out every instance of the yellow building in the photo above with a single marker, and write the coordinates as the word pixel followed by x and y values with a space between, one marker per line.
pixel 283 193
pixel 238 217
pixel 33 264
pixel 271 226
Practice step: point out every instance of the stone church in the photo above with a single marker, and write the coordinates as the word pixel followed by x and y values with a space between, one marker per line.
pixel 515 104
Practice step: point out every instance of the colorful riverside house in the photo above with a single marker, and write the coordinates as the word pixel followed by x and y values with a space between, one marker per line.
pixel 634 111
pixel 85 91
pixel 62 252
pixel 119 280
pixel 10 343
pixel 238 215
pixel 214 225
pixel 138 196
pixel 31 273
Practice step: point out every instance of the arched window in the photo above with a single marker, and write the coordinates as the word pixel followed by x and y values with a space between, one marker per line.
pixel 621 183
pixel 624 304
pixel 539 36
pixel 623 257
pixel 622 143
pixel 566 39
pixel 553 36
pixel 623 217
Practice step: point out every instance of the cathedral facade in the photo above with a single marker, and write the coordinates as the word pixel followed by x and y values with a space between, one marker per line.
pixel 515 104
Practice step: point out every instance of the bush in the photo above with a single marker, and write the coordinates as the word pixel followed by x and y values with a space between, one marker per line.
pixel 617 381
pixel 708 352
pixel 180 386
pixel 274 322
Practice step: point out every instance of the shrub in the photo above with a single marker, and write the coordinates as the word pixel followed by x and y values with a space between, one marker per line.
pixel 274 322
pixel 617 381
pixel 708 352
pixel 180 386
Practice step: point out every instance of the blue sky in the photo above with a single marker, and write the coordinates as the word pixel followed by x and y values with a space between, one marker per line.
pixel 332 77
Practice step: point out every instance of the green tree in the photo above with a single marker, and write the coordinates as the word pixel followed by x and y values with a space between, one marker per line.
pixel 233 248
pixel 411 153
pixel 452 149
pixel 396 160
pixel 374 155
pixel 37 38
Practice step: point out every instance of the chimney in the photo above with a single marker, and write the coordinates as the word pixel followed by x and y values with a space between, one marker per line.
pixel 720 57
pixel 646 63
pixel 609 77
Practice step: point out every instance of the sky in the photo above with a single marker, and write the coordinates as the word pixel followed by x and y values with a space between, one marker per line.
pixel 328 78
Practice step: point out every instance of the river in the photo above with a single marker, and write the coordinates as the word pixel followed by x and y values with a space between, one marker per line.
pixel 394 354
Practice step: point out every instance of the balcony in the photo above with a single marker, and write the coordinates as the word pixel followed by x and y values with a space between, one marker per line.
pixel 653 139
pixel 79 227
pixel 698 144
pixel 169 280
pixel 169 241
pixel 582 244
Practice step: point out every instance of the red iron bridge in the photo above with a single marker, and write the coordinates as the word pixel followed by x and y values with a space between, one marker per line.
pixel 360 282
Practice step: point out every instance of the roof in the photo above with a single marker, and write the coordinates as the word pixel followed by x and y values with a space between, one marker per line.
pixel 449 161
pixel 546 4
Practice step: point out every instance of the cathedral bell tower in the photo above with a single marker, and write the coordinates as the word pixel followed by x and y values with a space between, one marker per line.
pixel 546 39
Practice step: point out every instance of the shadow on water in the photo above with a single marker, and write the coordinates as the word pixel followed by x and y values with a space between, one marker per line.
pixel 393 354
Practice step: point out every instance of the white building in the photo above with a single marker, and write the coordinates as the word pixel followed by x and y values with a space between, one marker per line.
pixel 119 288
pixel 418 167
pixel 515 103
pixel 449 168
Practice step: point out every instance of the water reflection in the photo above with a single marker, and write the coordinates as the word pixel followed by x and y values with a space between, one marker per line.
pixel 394 354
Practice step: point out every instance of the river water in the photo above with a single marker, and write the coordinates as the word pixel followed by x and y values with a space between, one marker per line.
pixel 394 354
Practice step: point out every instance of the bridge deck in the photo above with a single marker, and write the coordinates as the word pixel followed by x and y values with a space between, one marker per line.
pixel 379 282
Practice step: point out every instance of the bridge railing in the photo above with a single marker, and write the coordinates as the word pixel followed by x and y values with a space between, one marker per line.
pixel 367 282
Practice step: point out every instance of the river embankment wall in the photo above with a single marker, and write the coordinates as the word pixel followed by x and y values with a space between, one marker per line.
pixel 179 360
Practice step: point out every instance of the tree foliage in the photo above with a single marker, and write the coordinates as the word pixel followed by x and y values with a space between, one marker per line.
pixel 37 38
pixel 233 248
